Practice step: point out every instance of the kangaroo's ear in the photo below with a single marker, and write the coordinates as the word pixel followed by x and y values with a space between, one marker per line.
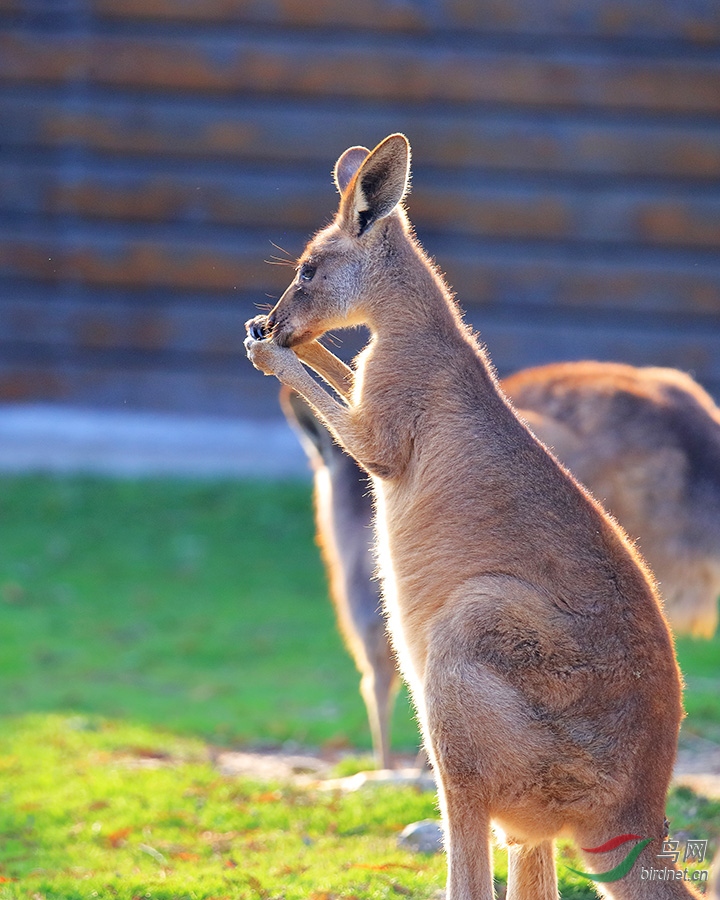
pixel 347 166
pixel 379 184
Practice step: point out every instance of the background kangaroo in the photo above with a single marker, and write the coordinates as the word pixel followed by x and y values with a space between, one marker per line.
pixel 343 512
pixel 645 441
pixel 525 624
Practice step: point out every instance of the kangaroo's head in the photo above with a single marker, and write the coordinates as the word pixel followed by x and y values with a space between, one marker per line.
pixel 337 272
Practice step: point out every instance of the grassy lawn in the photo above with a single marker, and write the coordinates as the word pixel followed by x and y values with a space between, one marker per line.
pixel 100 808
pixel 142 620
pixel 201 607
pixel 87 818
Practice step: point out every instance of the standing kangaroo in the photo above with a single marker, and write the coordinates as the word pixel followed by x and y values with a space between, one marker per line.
pixel 644 441
pixel 526 626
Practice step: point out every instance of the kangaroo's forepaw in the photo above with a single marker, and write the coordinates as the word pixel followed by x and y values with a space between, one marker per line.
pixel 271 359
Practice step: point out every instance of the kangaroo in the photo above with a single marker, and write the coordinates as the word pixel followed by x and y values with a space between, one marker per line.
pixel 343 513
pixel 644 441
pixel 525 624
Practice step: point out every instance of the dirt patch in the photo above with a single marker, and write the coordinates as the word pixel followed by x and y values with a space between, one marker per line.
pixel 273 766
pixel 698 767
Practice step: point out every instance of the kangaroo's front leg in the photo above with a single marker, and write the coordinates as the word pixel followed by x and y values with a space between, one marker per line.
pixel 344 422
pixel 333 370
pixel 328 366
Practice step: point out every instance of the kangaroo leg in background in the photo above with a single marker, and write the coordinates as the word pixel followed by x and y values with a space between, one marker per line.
pixel 379 689
pixel 343 515
pixel 531 872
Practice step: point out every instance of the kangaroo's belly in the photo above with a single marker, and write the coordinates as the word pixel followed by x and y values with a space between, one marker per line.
pixel 409 642
pixel 417 578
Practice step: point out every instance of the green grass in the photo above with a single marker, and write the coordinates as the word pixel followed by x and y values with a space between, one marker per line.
pixel 142 620
pixel 99 808
pixel 199 606
pixel 700 663
pixel 83 816
pixel 202 607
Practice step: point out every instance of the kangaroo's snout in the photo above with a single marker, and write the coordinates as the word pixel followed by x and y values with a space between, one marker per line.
pixel 287 322
pixel 288 329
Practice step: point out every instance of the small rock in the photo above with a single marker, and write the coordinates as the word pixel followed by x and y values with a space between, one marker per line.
pixel 422 837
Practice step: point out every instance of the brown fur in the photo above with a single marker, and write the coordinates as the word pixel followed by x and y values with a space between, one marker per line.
pixel 525 624
pixel 646 442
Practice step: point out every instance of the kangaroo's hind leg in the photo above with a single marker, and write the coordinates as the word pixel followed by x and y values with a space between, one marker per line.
pixel 458 753
pixel 489 752
pixel 531 872
pixel 460 734
pixel 467 842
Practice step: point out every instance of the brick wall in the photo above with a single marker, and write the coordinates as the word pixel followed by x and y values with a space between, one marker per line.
pixel 567 179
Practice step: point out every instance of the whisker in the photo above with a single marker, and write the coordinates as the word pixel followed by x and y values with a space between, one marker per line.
pixel 276 261
pixel 282 250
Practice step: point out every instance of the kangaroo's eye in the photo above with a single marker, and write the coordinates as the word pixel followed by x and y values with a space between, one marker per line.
pixel 306 272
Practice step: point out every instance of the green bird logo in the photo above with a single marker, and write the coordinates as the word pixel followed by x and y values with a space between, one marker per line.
pixel 621 870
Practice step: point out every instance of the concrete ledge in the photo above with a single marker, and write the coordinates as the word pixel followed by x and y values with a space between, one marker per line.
pixel 45 438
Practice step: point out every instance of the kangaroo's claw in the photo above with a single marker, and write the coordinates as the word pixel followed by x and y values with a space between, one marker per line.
pixel 257 329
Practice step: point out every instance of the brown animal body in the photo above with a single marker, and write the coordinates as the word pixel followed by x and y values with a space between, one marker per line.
pixel 645 441
pixel 525 624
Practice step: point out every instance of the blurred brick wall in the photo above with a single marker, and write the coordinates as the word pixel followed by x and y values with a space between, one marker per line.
pixel 567 172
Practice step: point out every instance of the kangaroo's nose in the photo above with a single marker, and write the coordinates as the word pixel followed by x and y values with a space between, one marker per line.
pixel 271 322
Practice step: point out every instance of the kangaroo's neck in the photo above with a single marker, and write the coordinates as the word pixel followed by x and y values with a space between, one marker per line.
pixel 413 317
pixel 408 295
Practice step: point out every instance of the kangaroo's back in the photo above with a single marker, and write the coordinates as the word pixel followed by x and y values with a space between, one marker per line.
pixel 646 442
